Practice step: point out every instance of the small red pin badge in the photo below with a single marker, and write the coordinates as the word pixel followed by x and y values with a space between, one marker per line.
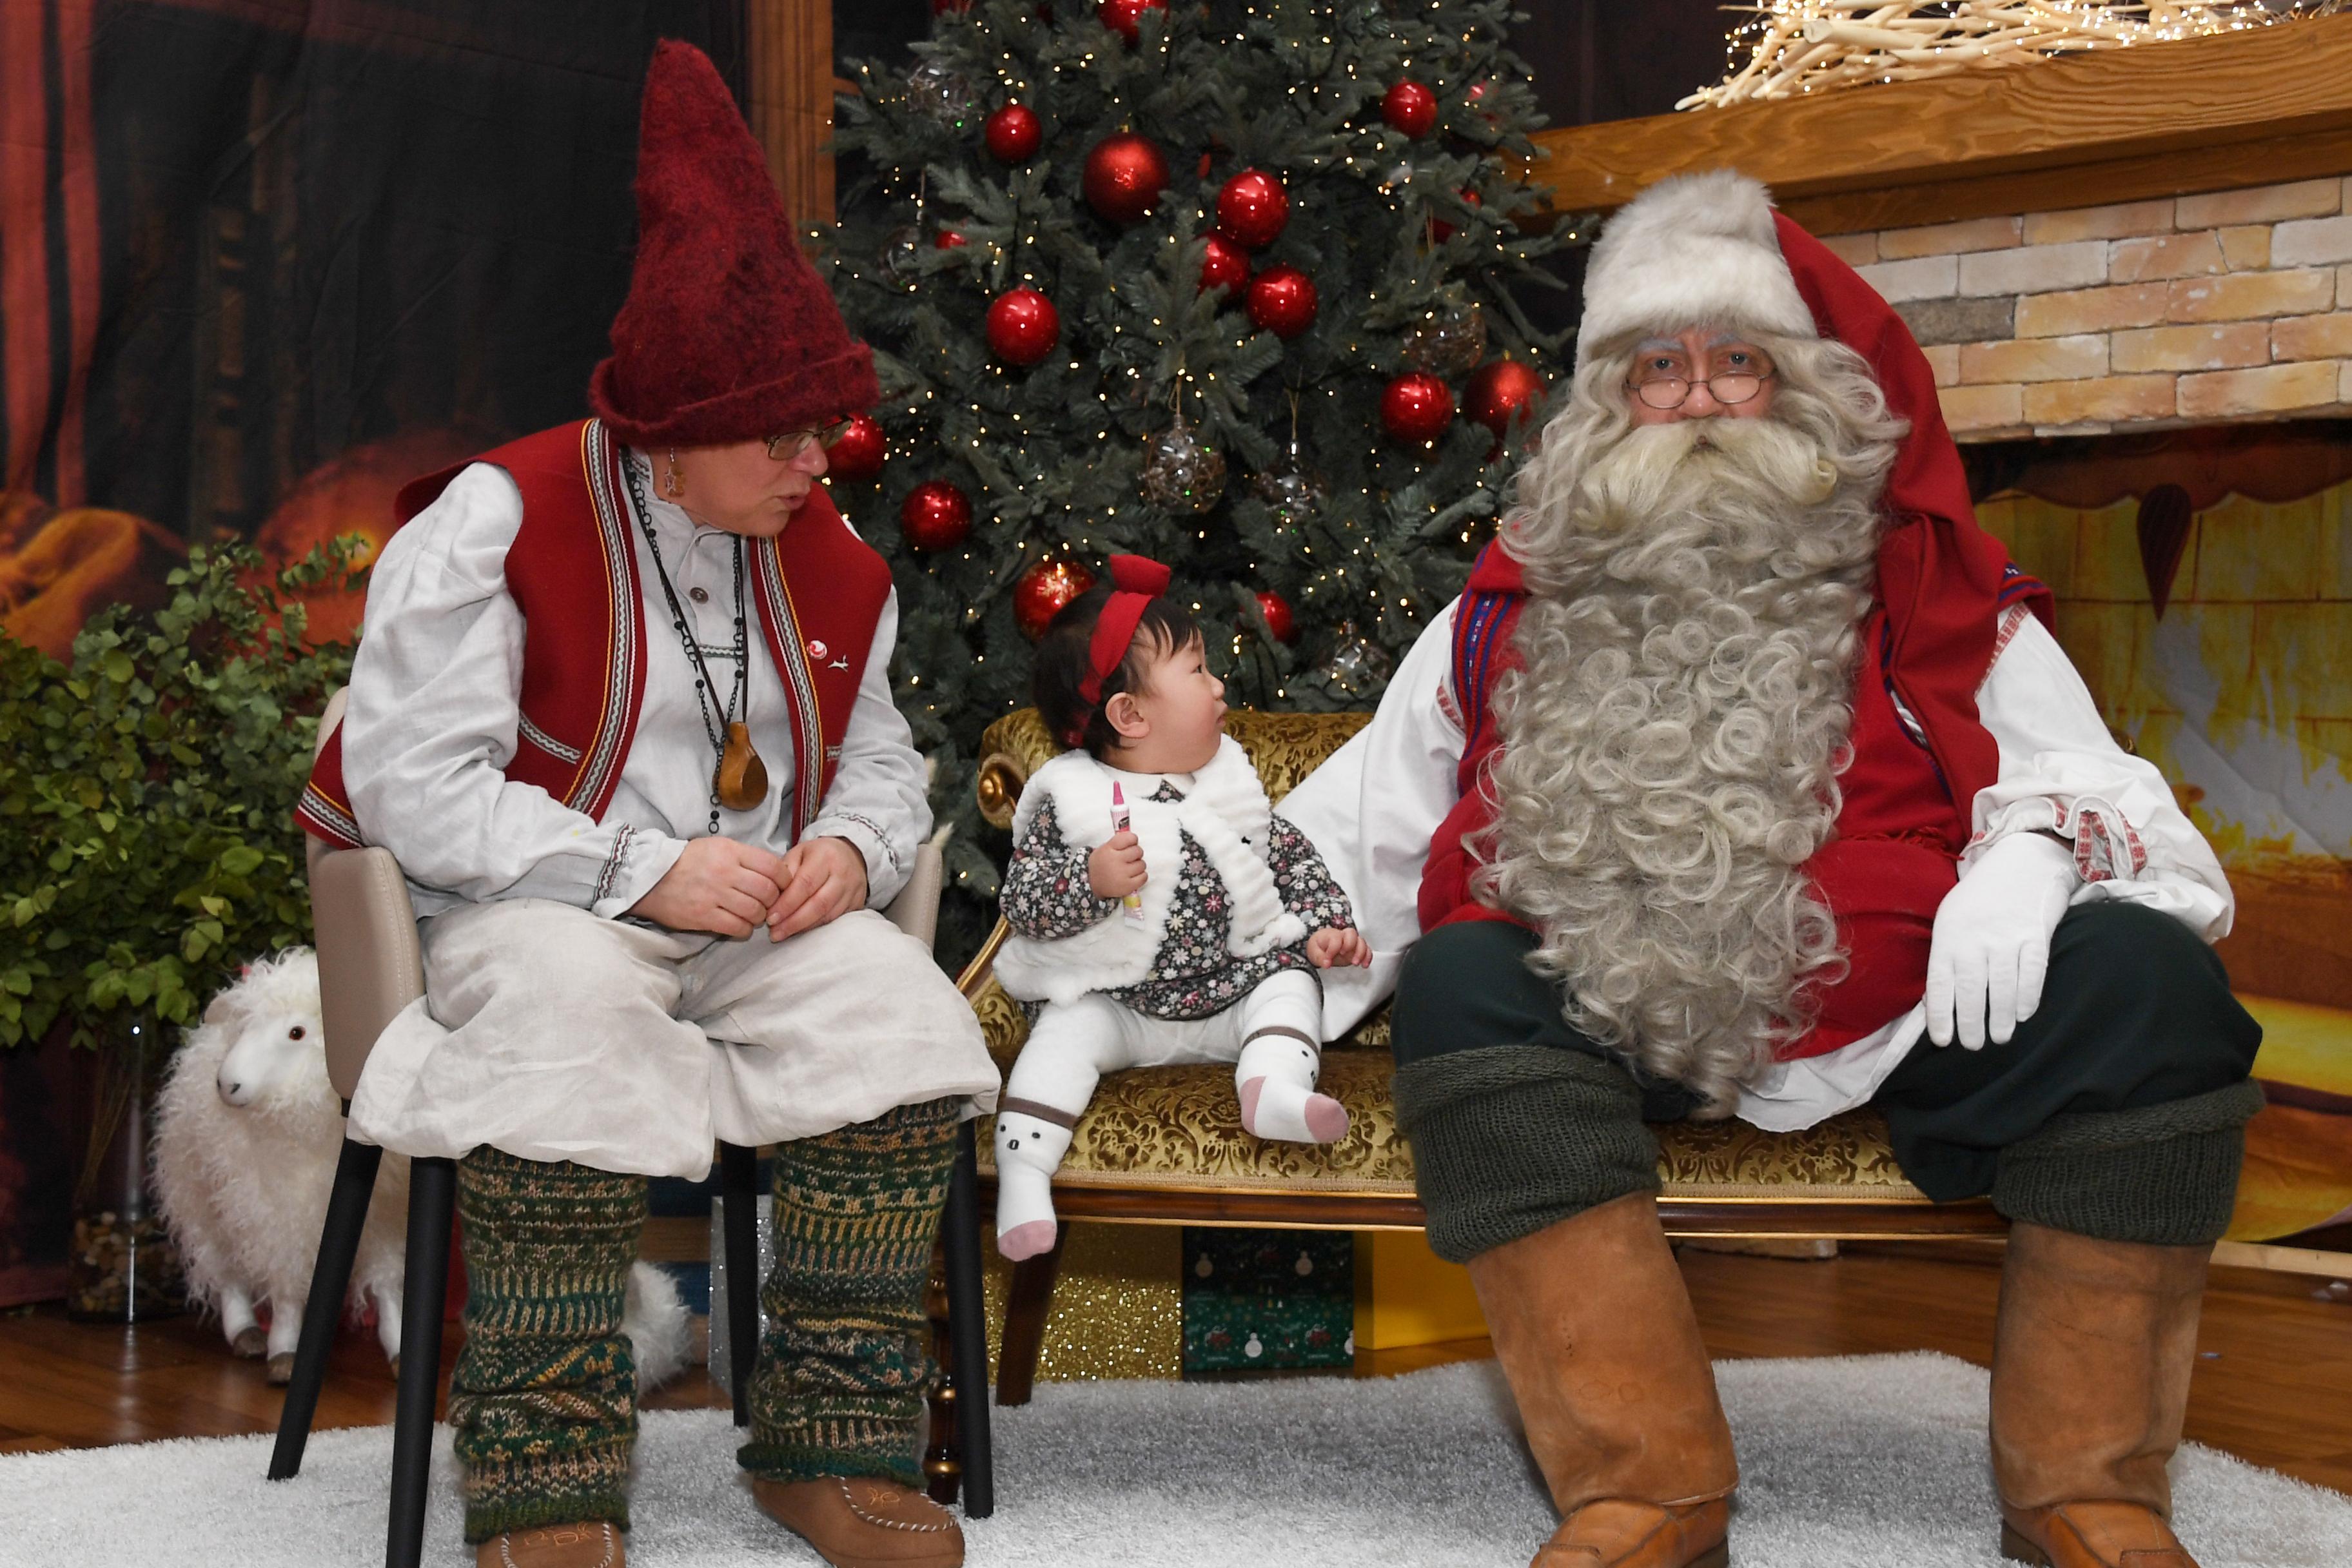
pixel 818 650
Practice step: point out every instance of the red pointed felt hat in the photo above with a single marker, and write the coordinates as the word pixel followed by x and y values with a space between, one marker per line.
pixel 728 333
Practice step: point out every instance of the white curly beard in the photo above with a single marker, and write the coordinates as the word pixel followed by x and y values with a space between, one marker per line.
pixel 1672 740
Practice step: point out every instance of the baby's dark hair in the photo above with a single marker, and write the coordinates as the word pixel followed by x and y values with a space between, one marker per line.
pixel 1065 660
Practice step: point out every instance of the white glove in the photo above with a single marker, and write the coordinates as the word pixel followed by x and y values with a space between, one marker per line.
pixel 1990 951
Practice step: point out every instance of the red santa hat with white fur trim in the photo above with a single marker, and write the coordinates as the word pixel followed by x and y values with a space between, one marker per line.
pixel 1694 250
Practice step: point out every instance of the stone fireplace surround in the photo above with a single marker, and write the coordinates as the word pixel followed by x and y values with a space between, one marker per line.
pixel 2193 310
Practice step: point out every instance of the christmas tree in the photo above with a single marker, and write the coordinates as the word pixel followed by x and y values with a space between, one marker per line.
pixel 1230 285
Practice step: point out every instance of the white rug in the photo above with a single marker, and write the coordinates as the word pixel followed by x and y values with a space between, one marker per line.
pixel 1863 1462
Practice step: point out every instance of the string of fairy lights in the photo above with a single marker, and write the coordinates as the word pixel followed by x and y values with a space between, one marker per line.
pixel 1790 47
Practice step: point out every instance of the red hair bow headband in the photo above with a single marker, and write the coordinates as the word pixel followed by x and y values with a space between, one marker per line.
pixel 1136 581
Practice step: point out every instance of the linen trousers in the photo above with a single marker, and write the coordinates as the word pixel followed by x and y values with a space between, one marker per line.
pixel 552 1034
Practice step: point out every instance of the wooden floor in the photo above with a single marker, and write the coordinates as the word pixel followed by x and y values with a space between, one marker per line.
pixel 2274 1381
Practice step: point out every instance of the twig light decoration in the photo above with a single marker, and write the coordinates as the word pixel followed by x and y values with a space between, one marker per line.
pixel 1796 47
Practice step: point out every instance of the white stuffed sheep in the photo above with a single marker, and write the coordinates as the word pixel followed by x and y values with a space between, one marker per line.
pixel 248 1135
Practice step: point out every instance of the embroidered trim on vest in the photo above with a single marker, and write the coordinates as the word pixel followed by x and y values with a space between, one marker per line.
pixel 1903 716
pixel 545 741
pixel 809 722
pixel 330 813
pixel 601 463
pixel 1474 624
pixel 2017 584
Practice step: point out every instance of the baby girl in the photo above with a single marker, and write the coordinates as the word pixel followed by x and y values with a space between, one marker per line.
pixel 1161 911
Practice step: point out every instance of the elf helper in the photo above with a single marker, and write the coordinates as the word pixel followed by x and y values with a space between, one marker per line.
pixel 622 714
pixel 1162 911
pixel 1747 778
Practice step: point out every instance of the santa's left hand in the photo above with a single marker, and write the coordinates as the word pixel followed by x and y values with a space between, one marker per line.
pixel 1990 951
pixel 1337 945
pixel 825 879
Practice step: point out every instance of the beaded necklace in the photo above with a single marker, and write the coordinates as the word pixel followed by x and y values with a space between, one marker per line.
pixel 738 779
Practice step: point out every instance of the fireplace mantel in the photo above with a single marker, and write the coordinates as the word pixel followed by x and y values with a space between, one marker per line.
pixel 2265 106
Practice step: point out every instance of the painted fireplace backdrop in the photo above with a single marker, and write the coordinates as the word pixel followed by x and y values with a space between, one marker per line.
pixel 2204 588
pixel 258 270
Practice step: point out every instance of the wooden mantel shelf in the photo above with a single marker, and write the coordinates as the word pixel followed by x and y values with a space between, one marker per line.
pixel 2240 109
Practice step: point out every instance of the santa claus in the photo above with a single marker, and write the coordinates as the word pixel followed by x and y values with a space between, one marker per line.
pixel 1747 778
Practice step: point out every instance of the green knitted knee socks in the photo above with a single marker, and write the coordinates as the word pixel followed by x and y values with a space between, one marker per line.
pixel 2163 1175
pixel 543 1399
pixel 844 1363
pixel 1509 1139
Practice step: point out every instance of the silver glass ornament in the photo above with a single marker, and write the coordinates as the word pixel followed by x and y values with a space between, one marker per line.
pixel 1292 490
pixel 1449 340
pixel 902 253
pixel 1357 667
pixel 1180 474
pixel 939 94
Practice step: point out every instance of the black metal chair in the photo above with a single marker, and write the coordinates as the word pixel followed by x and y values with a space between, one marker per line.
pixel 370 967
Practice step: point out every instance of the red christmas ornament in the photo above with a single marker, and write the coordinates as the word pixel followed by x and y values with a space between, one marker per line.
pixel 1044 590
pixel 1125 174
pixel 950 240
pixel 1411 108
pixel 1014 134
pixel 1252 209
pixel 1278 618
pixel 1417 407
pixel 1440 230
pixel 1499 391
pixel 858 451
pixel 1024 326
pixel 1223 263
pixel 937 516
pixel 1282 301
pixel 942 8
pixel 1125 18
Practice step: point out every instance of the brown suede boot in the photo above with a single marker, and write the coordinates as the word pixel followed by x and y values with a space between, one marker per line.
pixel 596 1545
pixel 864 1521
pixel 2090 1381
pixel 1596 1334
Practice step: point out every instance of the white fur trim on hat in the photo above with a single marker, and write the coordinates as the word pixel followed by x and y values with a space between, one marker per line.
pixel 1693 251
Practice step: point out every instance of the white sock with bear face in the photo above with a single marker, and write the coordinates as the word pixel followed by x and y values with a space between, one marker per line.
pixel 1275 1077
pixel 1029 1150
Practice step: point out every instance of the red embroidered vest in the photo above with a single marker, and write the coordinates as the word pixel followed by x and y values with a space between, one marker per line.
pixel 1919 756
pixel 573 569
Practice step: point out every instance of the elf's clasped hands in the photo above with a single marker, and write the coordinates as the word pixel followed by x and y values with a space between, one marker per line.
pixel 720 886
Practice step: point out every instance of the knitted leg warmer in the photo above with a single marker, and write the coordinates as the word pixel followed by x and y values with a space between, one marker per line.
pixel 1508 1139
pixel 2166 1176
pixel 543 1399
pixel 838 1388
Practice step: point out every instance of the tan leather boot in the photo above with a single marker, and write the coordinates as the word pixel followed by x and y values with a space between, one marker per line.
pixel 596 1545
pixel 2090 1381
pixel 863 1522
pixel 1596 1334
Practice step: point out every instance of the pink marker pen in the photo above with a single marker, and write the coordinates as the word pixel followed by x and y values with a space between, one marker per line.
pixel 1118 821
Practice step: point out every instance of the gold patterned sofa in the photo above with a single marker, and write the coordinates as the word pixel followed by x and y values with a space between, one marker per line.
pixel 1165 1146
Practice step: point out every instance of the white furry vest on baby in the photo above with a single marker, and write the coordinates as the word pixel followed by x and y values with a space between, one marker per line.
pixel 1225 810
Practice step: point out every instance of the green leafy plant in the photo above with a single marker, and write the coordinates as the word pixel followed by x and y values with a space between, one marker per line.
pixel 147 839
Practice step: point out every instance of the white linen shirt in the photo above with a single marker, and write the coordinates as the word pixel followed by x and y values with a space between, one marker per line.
pixel 1374 806
pixel 434 714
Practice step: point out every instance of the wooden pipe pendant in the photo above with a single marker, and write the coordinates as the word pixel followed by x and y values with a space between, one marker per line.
pixel 742 776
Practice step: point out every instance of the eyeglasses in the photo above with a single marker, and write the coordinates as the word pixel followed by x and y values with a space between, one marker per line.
pixel 784 446
pixel 1662 383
